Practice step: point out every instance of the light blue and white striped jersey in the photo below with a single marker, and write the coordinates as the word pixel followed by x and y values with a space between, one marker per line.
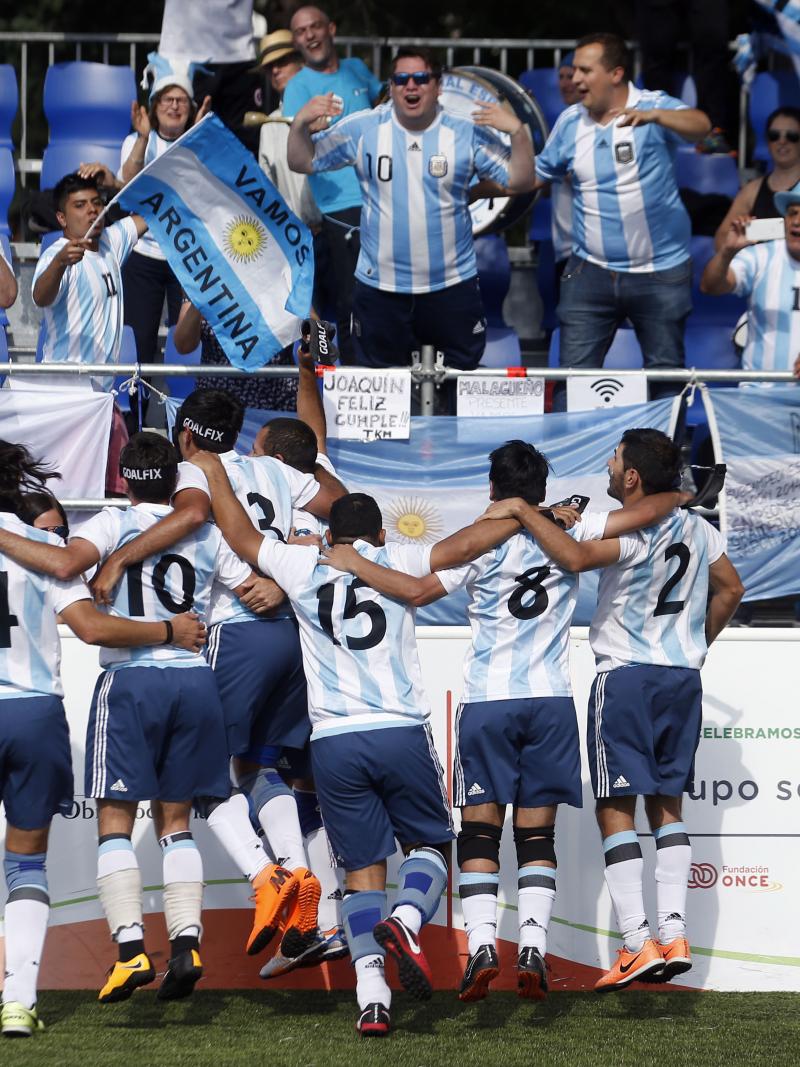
pixel 359 647
pixel 178 579
pixel 156 146
pixel 268 490
pixel 627 213
pixel 416 229
pixel 30 650
pixel 651 605
pixel 84 322
pixel 561 219
pixel 770 278
pixel 520 610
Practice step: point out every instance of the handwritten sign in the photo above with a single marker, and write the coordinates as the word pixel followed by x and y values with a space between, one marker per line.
pixel 499 395
pixel 362 404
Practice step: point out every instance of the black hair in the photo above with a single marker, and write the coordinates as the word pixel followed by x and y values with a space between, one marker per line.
pixel 518 469
pixel 36 504
pixel 214 417
pixel 655 457
pixel 20 474
pixel 149 463
pixel 418 52
pixel 71 183
pixel 355 515
pixel 787 110
pixel 294 440
pixel 615 51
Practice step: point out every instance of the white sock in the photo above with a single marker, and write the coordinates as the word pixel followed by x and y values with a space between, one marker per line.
pixel 26 926
pixel 230 824
pixel 119 885
pixel 478 893
pixel 282 829
pixel 536 895
pixel 371 985
pixel 624 870
pixel 320 861
pixel 409 916
pixel 183 885
pixel 673 866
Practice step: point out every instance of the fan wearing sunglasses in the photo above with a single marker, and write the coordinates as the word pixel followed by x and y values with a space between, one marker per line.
pixel 756 199
pixel 416 278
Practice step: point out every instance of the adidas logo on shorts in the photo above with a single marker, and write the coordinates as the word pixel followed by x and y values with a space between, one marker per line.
pixel 622 783
pixel 475 790
pixel 119 786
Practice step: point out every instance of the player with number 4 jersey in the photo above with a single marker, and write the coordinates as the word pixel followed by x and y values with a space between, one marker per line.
pixel 650 634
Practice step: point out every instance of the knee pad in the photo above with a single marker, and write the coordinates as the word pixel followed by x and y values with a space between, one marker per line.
pixel 262 786
pixel 361 912
pixel 535 843
pixel 422 880
pixel 26 876
pixel 478 841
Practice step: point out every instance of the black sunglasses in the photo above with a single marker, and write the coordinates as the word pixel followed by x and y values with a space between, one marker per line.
pixel 419 77
pixel 792 136
pixel 59 531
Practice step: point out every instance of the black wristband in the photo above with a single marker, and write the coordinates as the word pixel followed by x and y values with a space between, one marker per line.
pixel 170 635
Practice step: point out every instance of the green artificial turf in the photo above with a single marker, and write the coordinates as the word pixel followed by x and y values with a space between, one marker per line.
pixel 276 1028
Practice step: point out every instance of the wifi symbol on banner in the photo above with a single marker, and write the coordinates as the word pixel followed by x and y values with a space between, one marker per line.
pixel 607 388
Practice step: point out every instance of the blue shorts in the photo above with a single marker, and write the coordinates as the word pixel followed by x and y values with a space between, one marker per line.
pixel 375 786
pixel 523 752
pixel 644 725
pixel 156 733
pixel 258 667
pixel 35 761
pixel 295 763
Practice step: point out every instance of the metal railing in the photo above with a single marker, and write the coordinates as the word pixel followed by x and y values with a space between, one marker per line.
pixel 509 55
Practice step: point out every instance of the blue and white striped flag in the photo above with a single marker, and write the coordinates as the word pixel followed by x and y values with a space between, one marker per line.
pixel 786 15
pixel 243 259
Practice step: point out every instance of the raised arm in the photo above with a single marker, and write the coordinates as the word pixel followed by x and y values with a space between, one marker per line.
pixel 726 593
pixel 690 123
pixel 59 561
pixel 187 329
pixel 742 204
pixel 300 147
pixel 191 509
pixel 718 278
pixel 395 584
pixel 521 164
pixel 310 409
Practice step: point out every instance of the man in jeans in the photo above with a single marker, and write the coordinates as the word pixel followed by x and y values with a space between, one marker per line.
pixel 630 237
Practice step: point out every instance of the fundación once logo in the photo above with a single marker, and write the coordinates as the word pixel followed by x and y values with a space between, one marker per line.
pixel 753 878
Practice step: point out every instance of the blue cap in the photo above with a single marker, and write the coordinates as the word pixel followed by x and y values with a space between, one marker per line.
pixel 783 201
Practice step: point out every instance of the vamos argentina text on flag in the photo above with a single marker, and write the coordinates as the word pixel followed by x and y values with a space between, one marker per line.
pixel 243 259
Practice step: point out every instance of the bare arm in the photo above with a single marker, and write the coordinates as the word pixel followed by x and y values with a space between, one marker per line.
pixel 742 204
pixel 8 285
pixel 95 628
pixel 135 161
pixel 309 403
pixel 230 516
pixel 718 278
pixel 395 584
pixel 572 555
pixel 99 170
pixel 59 561
pixel 690 123
pixel 521 164
pixel 300 147
pixel 191 509
pixel 141 224
pixel 726 593
pixel 187 328
pixel 46 288
pixel 470 542
pixel 646 512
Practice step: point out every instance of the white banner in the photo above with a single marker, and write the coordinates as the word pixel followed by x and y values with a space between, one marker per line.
pixel 742 817
pixel 606 391
pixel 499 396
pixel 66 429
pixel 367 405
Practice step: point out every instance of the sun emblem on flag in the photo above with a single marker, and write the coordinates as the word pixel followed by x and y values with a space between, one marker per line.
pixel 245 238
pixel 413 521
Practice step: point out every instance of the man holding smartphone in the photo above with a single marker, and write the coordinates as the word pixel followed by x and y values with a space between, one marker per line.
pixel 767 272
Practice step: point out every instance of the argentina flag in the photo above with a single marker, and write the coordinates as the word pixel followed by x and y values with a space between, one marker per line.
pixel 243 259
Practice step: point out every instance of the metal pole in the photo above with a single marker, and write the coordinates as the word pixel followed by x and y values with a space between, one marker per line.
pixel 427 389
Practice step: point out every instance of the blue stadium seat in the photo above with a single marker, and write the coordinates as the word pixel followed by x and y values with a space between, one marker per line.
pixel 541 218
pixel 127 354
pixel 9 101
pixel 7 184
pixel 4 241
pixel 624 353
pixel 540 231
pixel 66 157
pixel 89 102
pixel 709 347
pixel 708 310
pixel 179 387
pixel 48 238
pixel 502 348
pixel 494 273
pixel 769 90
pixel 542 84
pixel 706 174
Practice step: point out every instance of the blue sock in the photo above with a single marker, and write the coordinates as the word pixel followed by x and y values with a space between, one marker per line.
pixel 361 912
pixel 308 811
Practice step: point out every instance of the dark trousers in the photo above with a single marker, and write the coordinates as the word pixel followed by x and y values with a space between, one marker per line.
pixel 234 89
pixel 662 24
pixel 341 234
pixel 145 283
